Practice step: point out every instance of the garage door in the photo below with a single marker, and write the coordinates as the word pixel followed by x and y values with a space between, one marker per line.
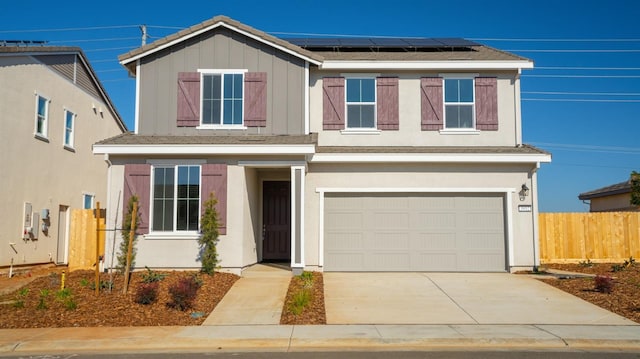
pixel 414 232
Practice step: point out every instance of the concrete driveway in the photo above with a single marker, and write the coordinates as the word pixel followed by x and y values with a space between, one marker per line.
pixel 454 298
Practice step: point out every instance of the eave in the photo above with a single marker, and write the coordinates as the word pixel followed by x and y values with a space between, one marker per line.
pixel 426 65
pixel 204 149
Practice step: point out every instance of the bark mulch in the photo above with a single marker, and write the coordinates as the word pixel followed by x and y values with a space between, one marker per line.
pixel 45 306
pixel 313 312
pixel 624 299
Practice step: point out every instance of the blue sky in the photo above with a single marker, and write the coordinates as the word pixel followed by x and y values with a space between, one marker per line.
pixel 581 102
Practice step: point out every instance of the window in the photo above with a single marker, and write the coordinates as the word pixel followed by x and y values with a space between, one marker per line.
pixel 69 119
pixel 361 103
pixel 87 201
pixel 222 95
pixel 42 116
pixel 176 198
pixel 458 103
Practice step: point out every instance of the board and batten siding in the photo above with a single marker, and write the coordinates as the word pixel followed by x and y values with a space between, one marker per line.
pixel 221 49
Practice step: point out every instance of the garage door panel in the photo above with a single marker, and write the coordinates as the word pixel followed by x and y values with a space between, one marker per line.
pixel 414 232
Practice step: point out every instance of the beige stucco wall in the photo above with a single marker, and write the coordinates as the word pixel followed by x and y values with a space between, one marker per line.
pixel 618 202
pixel 436 177
pixel 44 173
pixel 410 133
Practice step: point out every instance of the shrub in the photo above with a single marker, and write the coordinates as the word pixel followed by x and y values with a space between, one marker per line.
pixel 151 276
pixel 299 301
pixel 604 284
pixel 147 293
pixel 125 232
pixel 183 293
pixel 210 235
pixel 307 279
pixel 20 297
pixel 42 304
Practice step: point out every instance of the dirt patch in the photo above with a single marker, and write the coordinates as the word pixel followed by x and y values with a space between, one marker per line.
pixel 313 312
pixel 624 299
pixel 44 306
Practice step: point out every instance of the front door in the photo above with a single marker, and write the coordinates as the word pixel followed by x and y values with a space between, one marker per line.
pixel 276 221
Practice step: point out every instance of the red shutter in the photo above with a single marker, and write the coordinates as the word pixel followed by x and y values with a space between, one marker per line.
pixel 387 103
pixel 486 103
pixel 432 103
pixel 255 102
pixel 333 103
pixel 214 179
pixel 188 99
pixel 137 182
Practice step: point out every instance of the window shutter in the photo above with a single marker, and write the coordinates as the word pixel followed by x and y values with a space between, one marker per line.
pixel 432 103
pixel 137 179
pixel 188 99
pixel 214 179
pixel 387 103
pixel 486 103
pixel 333 103
pixel 255 102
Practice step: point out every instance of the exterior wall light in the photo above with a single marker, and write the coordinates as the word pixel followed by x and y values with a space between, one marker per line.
pixel 524 192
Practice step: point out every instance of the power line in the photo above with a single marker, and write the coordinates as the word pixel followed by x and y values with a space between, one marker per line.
pixel 588 76
pixel 555 40
pixel 578 100
pixel 586 68
pixel 589 148
pixel 578 50
pixel 582 93
pixel 95 40
pixel 69 29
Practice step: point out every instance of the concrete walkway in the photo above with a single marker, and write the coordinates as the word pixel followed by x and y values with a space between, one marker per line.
pixel 455 298
pixel 255 299
pixel 286 338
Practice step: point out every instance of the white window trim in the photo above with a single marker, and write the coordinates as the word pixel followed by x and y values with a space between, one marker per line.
pixel 221 126
pixel 45 127
pixel 174 234
pixel 466 130
pixel 374 103
pixel 71 144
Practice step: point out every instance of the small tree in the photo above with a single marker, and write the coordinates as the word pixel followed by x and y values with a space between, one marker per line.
pixel 209 227
pixel 126 230
pixel 635 188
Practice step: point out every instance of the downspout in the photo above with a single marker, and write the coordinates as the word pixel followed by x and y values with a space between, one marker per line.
pixel 533 176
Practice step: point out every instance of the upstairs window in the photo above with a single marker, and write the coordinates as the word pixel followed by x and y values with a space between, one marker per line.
pixel 459 103
pixel 87 200
pixel 69 123
pixel 42 116
pixel 361 103
pixel 222 99
pixel 176 198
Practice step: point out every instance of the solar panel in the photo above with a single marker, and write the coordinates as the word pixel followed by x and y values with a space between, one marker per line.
pixel 381 43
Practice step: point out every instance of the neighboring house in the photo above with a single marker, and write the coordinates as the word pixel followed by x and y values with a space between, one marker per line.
pixel 52 110
pixel 612 198
pixel 328 154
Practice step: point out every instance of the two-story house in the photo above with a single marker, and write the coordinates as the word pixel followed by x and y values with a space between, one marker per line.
pixel 52 109
pixel 328 154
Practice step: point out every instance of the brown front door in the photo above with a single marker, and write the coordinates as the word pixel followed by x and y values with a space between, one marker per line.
pixel 276 221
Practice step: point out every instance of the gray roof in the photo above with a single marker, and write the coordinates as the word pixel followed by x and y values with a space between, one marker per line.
pixel 217 20
pixel 132 139
pixel 63 50
pixel 618 188
pixel 524 149
pixel 464 53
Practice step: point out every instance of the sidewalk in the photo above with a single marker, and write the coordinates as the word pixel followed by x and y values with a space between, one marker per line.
pixel 285 338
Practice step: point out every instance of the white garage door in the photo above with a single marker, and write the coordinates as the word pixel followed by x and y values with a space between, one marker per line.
pixel 414 232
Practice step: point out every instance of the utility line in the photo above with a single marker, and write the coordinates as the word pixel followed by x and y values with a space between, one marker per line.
pixel 578 50
pixel 70 29
pixel 556 40
pixel 588 76
pixel 582 93
pixel 94 40
pixel 586 68
pixel 578 100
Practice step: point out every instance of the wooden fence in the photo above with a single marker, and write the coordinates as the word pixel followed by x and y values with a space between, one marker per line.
pixel 82 239
pixel 599 237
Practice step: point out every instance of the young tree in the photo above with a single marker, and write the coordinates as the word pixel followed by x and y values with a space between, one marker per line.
pixel 209 227
pixel 635 188
pixel 126 230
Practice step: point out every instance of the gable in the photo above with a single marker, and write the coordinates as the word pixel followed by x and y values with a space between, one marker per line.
pixel 71 68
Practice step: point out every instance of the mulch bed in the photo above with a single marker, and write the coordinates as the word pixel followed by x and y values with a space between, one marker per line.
pixel 108 308
pixel 314 312
pixel 624 300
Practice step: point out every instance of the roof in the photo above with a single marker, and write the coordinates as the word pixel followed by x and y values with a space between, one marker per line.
pixel 217 21
pixel 133 139
pixel 321 50
pixel 64 50
pixel 521 150
pixel 618 188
